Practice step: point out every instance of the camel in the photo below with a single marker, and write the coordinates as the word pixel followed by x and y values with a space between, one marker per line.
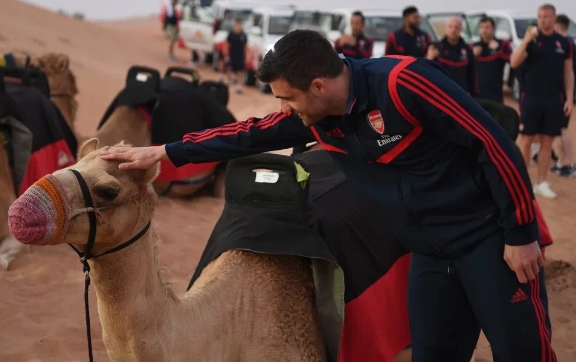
pixel 130 124
pixel 62 81
pixel 245 306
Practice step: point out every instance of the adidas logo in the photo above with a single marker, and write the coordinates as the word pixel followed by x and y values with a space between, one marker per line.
pixel 335 132
pixel 519 296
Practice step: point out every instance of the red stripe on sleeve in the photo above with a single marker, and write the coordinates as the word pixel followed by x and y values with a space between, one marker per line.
pixel 510 174
pixel 235 128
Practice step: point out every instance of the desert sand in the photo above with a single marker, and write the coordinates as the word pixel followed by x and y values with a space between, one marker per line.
pixel 41 296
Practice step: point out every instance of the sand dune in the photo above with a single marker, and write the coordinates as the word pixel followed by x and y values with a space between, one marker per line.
pixel 41 308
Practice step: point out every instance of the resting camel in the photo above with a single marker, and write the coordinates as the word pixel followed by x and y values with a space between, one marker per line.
pixel 62 81
pixel 244 307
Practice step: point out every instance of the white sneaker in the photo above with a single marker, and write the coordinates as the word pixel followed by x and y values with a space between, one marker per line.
pixel 543 189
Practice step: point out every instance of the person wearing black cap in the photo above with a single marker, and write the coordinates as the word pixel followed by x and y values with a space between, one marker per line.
pixel 409 39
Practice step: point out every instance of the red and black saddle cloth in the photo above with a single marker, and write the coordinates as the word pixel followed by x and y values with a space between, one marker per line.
pixel 35 134
pixel 172 106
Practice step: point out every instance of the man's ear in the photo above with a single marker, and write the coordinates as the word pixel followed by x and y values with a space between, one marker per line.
pixel 318 85
pixel 87 147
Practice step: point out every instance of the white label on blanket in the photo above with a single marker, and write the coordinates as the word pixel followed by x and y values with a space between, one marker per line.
pixel 267 177
pixel 141 77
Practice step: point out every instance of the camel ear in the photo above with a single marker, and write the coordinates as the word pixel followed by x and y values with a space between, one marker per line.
pixel 87 147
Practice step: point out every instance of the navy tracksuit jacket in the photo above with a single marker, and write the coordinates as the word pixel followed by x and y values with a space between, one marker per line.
pixel 439 166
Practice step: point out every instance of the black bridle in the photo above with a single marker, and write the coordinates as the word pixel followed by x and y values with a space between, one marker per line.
pixel 87 254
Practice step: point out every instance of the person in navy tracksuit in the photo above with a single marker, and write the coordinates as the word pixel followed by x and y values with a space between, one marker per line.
pixel 491 54
pixel 455 56
pixel 544 63
pixel 409 39
pixel 357 45
pixel 443 173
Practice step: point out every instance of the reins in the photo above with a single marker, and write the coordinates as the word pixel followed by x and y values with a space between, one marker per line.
pixel 87 255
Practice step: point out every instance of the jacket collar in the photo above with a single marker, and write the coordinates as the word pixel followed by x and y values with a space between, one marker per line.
pixel 357 94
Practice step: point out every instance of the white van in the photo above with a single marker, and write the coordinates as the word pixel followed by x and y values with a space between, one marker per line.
pixel 310 18
pixel 196 28
pixel 264 27
pixel 510 25
pixel 378 24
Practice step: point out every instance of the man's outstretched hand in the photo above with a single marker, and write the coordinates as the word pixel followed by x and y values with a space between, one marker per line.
pixel 135 157
pixel 524 260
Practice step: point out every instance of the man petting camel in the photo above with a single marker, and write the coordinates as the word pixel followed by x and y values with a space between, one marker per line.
pixel 444 174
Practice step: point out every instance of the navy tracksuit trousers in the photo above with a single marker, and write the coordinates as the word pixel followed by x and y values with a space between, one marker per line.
pixel 450 300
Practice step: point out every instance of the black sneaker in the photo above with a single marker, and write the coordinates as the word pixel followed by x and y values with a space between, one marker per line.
pixel 567 171
pixel 555 168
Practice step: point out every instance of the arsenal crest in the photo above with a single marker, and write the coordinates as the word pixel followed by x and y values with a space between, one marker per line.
pixel 376 121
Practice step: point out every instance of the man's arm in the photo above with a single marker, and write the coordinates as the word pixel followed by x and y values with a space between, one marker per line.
pixel 276 131
pixel 366 49
pixel 569 70
pixel 506 50
pixel 338 45
pixel 391 48
pixel 520 54
pixel 446 110
pixel 471 72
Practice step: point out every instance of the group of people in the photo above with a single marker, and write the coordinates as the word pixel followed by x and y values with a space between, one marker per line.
pixel 444 176
pixel 231 61
pixel 544 65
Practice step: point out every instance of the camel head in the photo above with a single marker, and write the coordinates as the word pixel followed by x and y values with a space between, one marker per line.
pixel 54 210
pixel 61 79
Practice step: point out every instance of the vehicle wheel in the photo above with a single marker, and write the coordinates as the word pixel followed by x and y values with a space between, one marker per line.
pixel 516 90
pixel 264 87
pixel 250 78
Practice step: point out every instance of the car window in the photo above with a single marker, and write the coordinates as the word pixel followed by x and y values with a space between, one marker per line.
pixel 572 29
pixel 378 27
pixel 336 22
pixel 230 16
pixel 279 25
pixel 311 20
pixel 197 14
pixel 426 27
pixel 522 25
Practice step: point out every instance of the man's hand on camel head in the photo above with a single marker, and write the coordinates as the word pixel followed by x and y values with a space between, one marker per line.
pixel 135 157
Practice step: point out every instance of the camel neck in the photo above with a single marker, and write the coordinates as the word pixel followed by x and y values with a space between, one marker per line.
pixel 139 312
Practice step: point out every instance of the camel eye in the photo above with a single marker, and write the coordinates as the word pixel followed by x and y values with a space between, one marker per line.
pixel 107 193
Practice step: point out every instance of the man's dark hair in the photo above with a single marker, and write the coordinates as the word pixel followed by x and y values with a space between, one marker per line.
pixel 563 21
pixel 409 11
pixel 487 19
pixel 238 20
pixel 359 13
pixel 299 57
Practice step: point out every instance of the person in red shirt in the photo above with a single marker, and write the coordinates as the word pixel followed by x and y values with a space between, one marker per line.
pixel 357 45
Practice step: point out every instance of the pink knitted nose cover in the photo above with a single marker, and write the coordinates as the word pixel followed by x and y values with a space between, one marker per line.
pixel 41 215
